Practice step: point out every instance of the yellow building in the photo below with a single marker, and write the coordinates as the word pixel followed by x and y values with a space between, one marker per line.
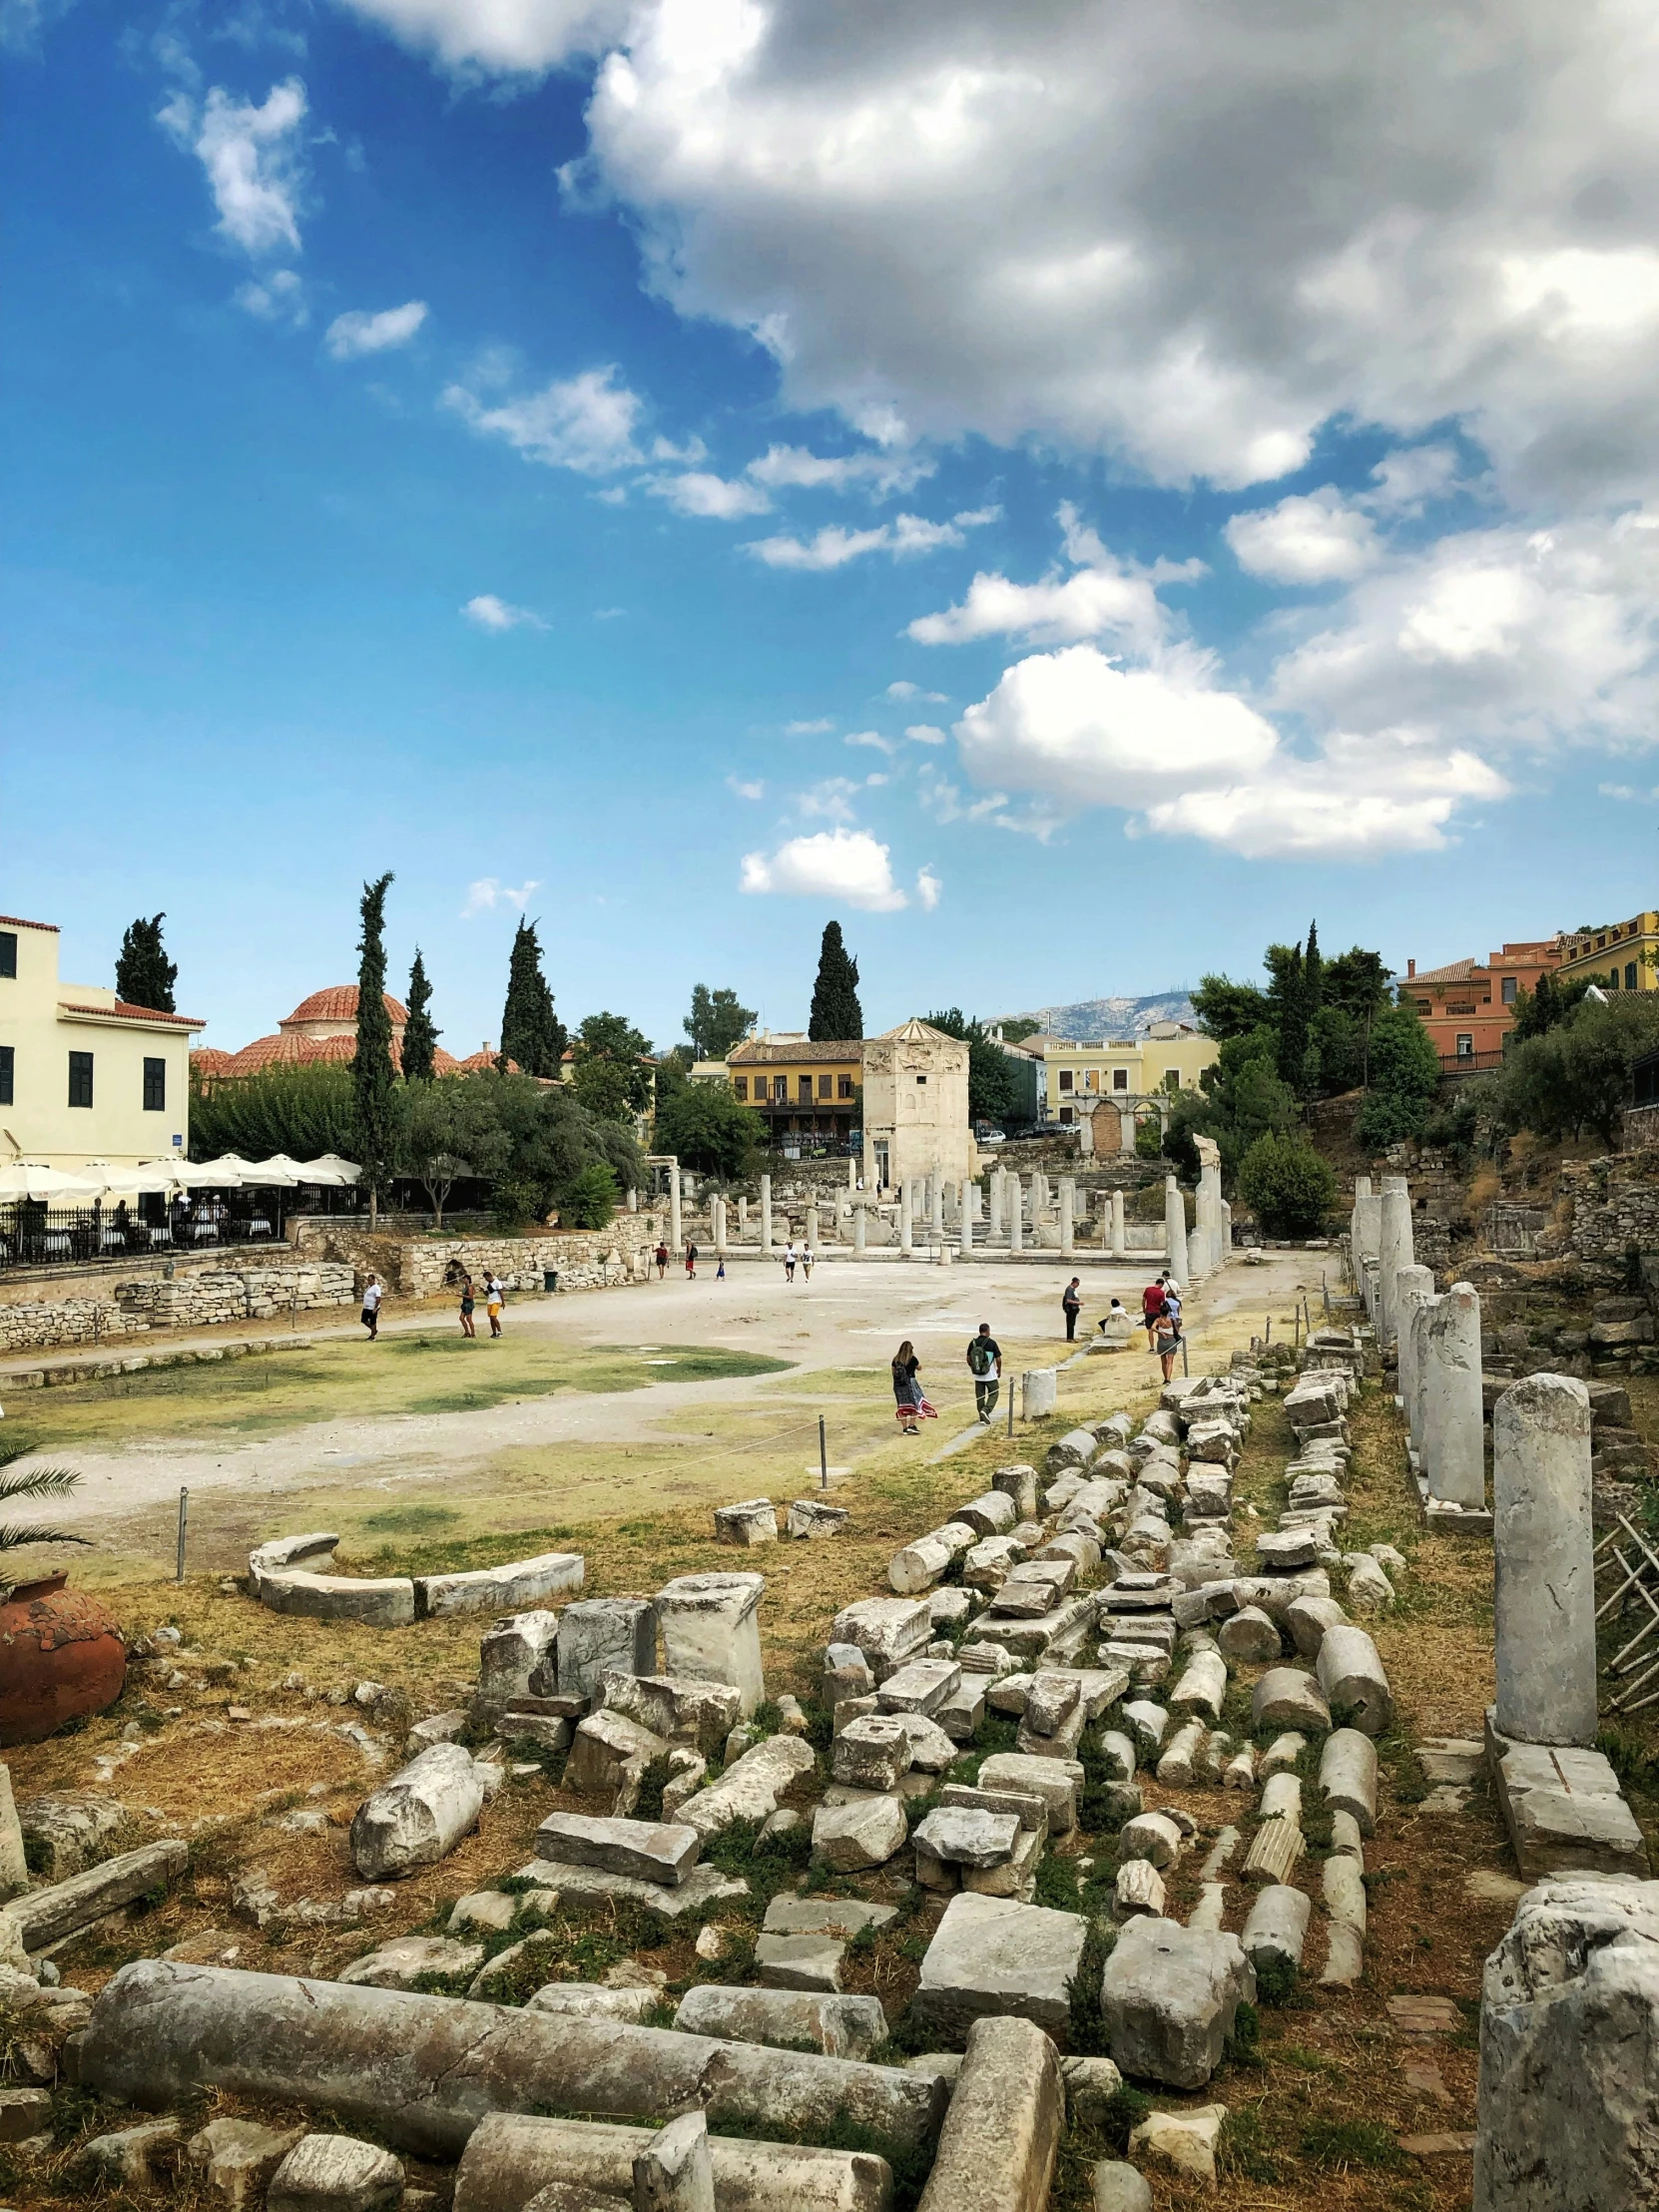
pixel 803 1089
pixel 83 1076
pixel 1620 955
pixel 1102 1088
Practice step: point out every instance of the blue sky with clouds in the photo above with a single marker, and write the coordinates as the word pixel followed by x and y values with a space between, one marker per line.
pixel 1071 491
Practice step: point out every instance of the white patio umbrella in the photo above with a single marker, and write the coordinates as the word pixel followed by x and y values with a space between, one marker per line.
pixel 331 1169
pixel 129 1181
pixel 279 1173
pixel 227 1173
pixel 27 1179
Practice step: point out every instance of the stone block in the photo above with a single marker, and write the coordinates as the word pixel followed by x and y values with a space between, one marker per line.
pixel 1182 2142
pixel 129 2156
pixel 64 1833
pixel 1169 1996
pixel 920 1687
pixel 812 1518
pixel 1277 1926
pixel 511 1654
pixel 335 2173
pixel 238 2157
pixel 858 1837
pixel 918 1566
pixel 1152 1835
pixel 651 1851
pixel 989 1956
pixel 959 1836
pixel 1352 1677
pixel 1055 1781
pixel 1139 1888
pixel 1347 1776
pixel 1000 2139
pixel 604 1748
pixel 1307 1618
pixel 386 1602
pixel 1284 1697
pixel 674 2171
pixel 594 2000
pixel 750 1789
pixel 398 1965
pixel 1566 1813
pixel 698 1714
pixel 754 1521
pixel 964 1710
pixel 710 1629
pixel 1020 1483
pixel 1118 2187
pixel 871 1753
pixel 810 1963
pixel 887 1630
pixel 840 2027
pixel 843 1917
pixel 605 1635
pixel 1202 1687
pixel 510 1588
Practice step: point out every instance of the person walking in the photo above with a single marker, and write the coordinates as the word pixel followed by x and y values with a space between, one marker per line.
pixel 691 1262
pixel 496 1297
pixel 985 1359
pixel 662 1260
pixel 1071 1305
pixel 468 1301
pixel 373 1295
pixel 907 1389
pixel 1152 1305
pixel 807 1262
pixel 789 1261
pixel 1167 1342
pixel 720 1271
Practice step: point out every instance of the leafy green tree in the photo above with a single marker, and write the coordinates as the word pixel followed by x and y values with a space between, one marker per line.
pixel 611 1071
pixel 451 1131
pixel 1538 1011
pixel 1576 1076
pixel 532 1036
pixel 420 1039
pixel 716 1023
pixel 302 1108
pixel 993 1085
pixel 1019 1028
pixel 835 1013
pixel 144 976
pixel 1224 1009
pixel 371 1069
pixel 1405 1077
pixel 1239 1098
pixel 1286 1185
pixel 1358 982
pixel 706 1128
pixel 590 1200
pixel 38 1482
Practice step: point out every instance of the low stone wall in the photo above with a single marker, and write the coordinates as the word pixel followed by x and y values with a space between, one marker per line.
pixel 201 1300
pixel 425 1267
pixel 1616 1211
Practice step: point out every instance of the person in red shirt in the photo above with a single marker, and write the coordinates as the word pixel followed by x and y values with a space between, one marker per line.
pixel 1152 1305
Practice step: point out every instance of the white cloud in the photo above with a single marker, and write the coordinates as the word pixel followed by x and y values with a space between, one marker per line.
pixel 1407 479
pixel 848 866
pixel 489 892
pixel 904 688
pixel 928 888
pixel 818 729
pixel 833 547
pixel 871 738
pixel 586 422
pixel 1314 538
pixel 279 297
pixel 925 732
pixel 717 497
pixel 830 800
pixel 1102 596
pixel 511 37
pixel 490 613
pixel 880 474
pixel 253 161
pixel 357 333
pixel 740 789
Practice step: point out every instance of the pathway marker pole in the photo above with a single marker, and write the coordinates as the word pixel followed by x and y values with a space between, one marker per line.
pixel 184 1518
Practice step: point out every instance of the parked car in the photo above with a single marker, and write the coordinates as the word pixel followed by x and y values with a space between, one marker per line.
pixel 985 1134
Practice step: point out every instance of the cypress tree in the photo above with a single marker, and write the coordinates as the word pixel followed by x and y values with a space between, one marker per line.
pixel 371 1069
pixel 419 1036
pixel 144 976
pixel 531 1032
pixel 1293 1022
pixel 1313 973
pixel 836 1012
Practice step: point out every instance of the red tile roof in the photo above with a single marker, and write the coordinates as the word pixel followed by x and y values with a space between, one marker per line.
pixel 339 1003
pixel 288 1049
pixel 121 1010
pixel 1458 971
pixel 759 1052
pixel 16 922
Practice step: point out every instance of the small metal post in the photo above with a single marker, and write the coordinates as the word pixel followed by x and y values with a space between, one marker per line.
pixel 823 1458
pixel 1010 1405
pixel 184 1520
pixel 1268 1339
pixel 1184 1367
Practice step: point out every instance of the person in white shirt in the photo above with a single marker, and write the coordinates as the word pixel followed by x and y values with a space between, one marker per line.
pixel 807 1262
pixel 373 1295
pixel 789 1261
pixel 496 1297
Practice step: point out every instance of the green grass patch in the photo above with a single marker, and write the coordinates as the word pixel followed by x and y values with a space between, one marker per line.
pixel 1338 2146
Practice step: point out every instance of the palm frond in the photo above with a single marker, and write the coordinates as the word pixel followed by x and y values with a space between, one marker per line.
pixel 39 1482
pixel 14 1538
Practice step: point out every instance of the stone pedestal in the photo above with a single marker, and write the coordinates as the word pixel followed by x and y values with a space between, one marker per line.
pixel 711 1632
pixel 1396 1254
pixel 1448 1333
pixel 1414 1288
pixel 1039 1391
pixel 716 1224
pixel 1544 1593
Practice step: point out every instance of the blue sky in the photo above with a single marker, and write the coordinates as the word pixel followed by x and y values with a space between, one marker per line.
pixel 1070 494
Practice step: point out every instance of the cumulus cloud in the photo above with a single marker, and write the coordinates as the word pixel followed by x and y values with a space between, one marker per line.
pixel 508 37
pixel 253 159
pixel 878 474
pixel 352 335
pixel 719 498
pixel 903 537
pixel 586 422
pixel 929 890
pixel 925 732
pixel 489 892
pixel 740 789
pixel 1315 538
pixel 489 613
pixel 846 867
pixel 871 738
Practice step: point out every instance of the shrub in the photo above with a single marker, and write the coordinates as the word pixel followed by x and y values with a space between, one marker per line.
pixel 590 1198
pixel 1404 1076
pixel 1286 1184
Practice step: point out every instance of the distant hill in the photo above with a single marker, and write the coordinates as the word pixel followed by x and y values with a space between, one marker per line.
pixel 1088 1019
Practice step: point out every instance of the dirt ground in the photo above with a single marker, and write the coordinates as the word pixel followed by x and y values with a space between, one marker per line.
pixel 598 1452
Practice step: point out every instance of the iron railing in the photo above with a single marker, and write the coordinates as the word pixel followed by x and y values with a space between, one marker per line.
pixel 37 1236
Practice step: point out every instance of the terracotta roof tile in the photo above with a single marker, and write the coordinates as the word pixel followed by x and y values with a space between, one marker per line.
pixel 755 1053
pixel 339 1003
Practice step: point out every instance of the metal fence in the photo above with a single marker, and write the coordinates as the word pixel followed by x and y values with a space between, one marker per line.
pixel 37 1236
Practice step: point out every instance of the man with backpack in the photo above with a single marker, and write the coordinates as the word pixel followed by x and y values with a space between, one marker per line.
pixel 984 1359
pixel 1071 1305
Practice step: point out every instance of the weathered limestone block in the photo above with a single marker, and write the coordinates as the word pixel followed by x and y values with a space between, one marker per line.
pixel 1350 1674
pixel 335 2173
pixel 1168 1995
pixel 1569 2026
pixel 63 1832
pixel 750 1789
pixel 1020 1483
pixel 673 2172
pixel 698 1714
pixel 1153 1836
pixel 1055 1781
pixel 43 1916
pixel 840 2027
pixel 754 1521
pixel 592 2001
pixel 511 1654
pixel 651 1851
pixel 992 1955
pixel 388 1602
pixel 1565 1812
pixel 860 1835
pixel 1118 2187
pixel 312 1553
pixel 1284 1697
pixel 605 1635
pixel 1179 1764
pixel 1139 1888
pixel 1203 1686
pixel 605 1747
pixel 505 1589
pixel 918 1566
pixel 1001 2134
pixel 422 1813
pixel 711 1631
pixel 887 1630
pixel 398 1965
pixel 1369 1588
pixel 237 2158
pixel 515 2163
pixel 129 2154
pixel 1348 1777
pixel 812 1518
pixel 1182 2142
pixel 1076 1449
pixel 1251 1637
pixel 1307 1618
pixel 1545 1592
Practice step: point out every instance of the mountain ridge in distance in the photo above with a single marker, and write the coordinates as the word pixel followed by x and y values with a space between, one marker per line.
pixel 1087 1021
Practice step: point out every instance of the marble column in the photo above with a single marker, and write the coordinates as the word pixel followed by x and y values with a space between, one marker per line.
pixel 904 1213
pixel 1175 1227
pixel 861 1227
pixel 1011 1198
pixel 935 1196
pixel 1448 1333
pixel 1395 1253
pixel 811 1223
pixel 743 1220
pixel 1414 1286
pixel 968 1208
pixel 1119 1233
pixel 766 1213
pixel 998 1185
pixel 1544 1601
pixel 717 1223
pixel 676 1223
pixel 1367 1227
pixel 1069 1200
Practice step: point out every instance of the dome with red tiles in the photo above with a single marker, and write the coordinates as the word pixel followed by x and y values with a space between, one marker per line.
pixel 339 1003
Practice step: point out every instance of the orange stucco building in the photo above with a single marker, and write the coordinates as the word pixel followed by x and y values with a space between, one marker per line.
pixel 1468 1006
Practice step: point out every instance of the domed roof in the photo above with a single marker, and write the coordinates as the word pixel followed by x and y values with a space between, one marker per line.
pixel 339 1003
pixel 209 1059
pixel 289 1048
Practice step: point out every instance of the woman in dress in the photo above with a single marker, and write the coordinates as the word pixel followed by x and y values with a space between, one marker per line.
pixel 468 1301
pixel 907 1389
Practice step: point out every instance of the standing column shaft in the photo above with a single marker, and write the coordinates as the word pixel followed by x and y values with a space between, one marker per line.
pixel 1175 1226
pixel 1449 1385
pixel 1068 1203
pixel 1016 1222
pixel 861 1227
pixel 967 1207
pixel 1394 1255
pixel 904 1214
pixel 766 1213
pixel 1544 1587
pixel 1414 1286
pixel 676 1224
pixel 811 1223
pixel 717 1214
pixel 936 1202
pixel 1120 1243
pixel 998 1185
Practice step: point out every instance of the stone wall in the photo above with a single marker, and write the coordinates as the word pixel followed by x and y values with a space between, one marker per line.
pixel 203 1299
pixel 1614 1213
pixel 585 1258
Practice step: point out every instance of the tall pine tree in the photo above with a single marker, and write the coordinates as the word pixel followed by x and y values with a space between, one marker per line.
pixel 419 1036
pixel 1292 1020
pixel 532 1034
pixel 144 976
pixel 835 1013
pixel 371 1069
